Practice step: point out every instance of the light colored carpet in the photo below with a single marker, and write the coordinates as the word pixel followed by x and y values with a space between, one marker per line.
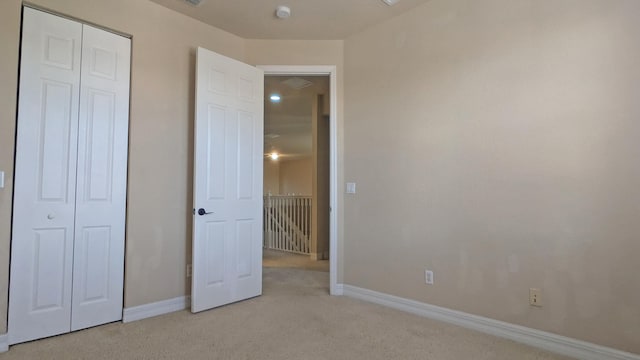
pixel 273 258
pixel 294 319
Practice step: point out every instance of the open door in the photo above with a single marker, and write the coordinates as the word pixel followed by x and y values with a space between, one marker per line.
pixel 227 220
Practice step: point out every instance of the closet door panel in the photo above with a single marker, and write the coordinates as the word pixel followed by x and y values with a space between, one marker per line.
pixel 45 178
pixel 101 179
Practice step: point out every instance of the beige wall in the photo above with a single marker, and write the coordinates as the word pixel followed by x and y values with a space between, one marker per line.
pixel 320 169
pixel 9 45
pixel 295 177
pixel 496 143
pixel 271 182
pixel 284 177
pixel 161 141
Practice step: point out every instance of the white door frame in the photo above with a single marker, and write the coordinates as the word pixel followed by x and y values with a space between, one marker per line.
pixel 329 70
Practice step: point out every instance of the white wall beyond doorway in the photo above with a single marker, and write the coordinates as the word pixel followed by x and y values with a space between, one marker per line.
pixel 329 70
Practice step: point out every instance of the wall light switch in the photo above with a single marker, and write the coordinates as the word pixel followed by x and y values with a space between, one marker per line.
pixel 1 179
pixel 351 188
pixel 428 277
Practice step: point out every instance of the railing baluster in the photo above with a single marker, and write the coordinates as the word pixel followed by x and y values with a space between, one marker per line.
pixel 299 238
pixel 285 244
pixel 301 233
pixel 276 213
pixel 287 223
pixel 280 242
pixel 294 234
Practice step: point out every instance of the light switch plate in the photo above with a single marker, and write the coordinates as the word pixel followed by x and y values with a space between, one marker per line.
pixel 1 179
pixel 351 188
pixel 428 277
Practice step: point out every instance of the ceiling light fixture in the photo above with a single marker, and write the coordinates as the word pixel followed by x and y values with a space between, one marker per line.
pixel 283 12
pixel 194 2
pixel 274 156
pixel 275 98
pixel 390 2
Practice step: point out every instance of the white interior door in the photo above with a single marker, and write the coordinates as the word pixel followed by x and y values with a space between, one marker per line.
pixel 45 177
pixel 67 247
pixel 227 236
pixel 98 261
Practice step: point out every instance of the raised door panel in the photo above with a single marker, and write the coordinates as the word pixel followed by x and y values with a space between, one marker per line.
pixel 99 147
pixel 93 260
pixel 46 150
pixel 244 249
pixel 215 171
pixel 245 155
pixel 48 270
pixel 216 235
pixel 101 179
pixel 55 127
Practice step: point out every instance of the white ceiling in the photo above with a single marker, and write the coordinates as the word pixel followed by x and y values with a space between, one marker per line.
pixel 310 19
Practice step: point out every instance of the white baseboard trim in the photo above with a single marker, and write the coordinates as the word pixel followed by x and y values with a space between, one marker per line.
pixel 4 343
pixel 154 309
pixel 338 290
pixel 540 339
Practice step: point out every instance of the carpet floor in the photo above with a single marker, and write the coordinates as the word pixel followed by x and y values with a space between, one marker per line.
pixel 295 318
pixel 274 258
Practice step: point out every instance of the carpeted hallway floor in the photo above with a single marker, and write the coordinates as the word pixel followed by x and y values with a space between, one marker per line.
pixel 280 259
pixel 294 319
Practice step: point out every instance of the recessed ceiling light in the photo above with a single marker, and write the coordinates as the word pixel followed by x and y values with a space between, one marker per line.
pixel 283 12
pixel 275 98
pixel 194 2
pixel 274 156
pixel 390 2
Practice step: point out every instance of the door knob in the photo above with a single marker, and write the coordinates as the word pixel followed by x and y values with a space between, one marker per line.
pixel 51 216
pixel 202 211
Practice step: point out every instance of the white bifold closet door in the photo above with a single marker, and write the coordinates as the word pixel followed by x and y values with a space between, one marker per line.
pixel 67 252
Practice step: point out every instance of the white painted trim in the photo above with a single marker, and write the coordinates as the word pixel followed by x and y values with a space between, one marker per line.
pixel 155 309
pixel 536 338
pixel 330 70
pixel 4 343
pixel 339 290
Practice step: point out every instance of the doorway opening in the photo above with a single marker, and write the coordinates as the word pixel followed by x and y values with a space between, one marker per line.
pixel 299 167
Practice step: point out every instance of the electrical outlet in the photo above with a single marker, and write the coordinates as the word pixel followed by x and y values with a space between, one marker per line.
pixel 428 277
pixel 535 297
pixel 189 270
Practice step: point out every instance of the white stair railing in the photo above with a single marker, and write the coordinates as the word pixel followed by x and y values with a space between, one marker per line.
pixel 287 223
